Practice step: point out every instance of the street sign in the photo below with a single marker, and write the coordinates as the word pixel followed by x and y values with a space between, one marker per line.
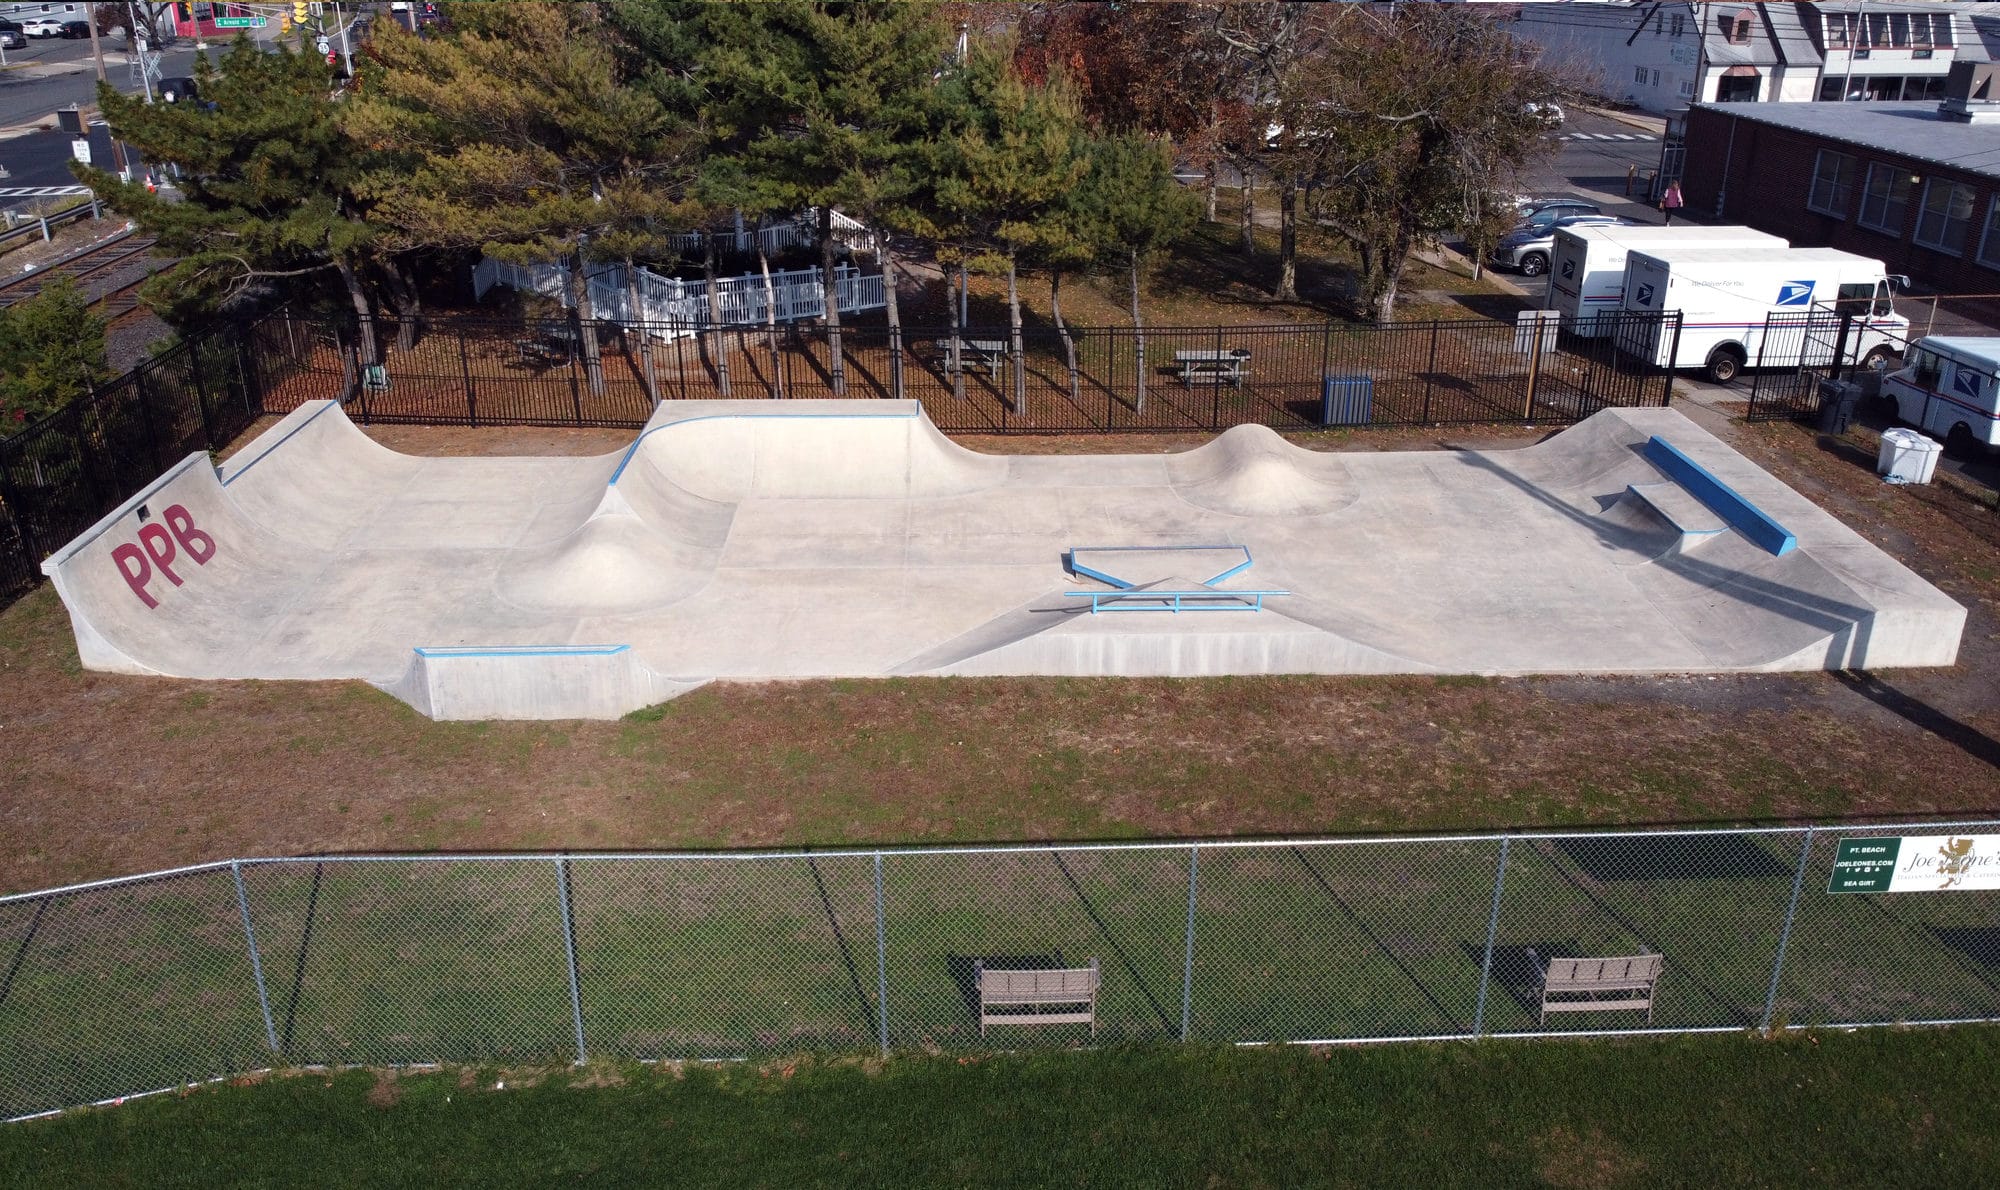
pixel 323 45
pixel 239 22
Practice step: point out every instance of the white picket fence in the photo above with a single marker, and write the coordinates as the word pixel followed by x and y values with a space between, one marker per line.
pixel 674 309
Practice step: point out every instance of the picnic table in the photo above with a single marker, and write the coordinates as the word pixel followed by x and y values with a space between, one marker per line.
pixel 547 347
pixel 990 353
pixel 1229 363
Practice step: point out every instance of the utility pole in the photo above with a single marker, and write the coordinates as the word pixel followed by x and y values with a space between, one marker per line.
pixel 1860 33
pixel 97 52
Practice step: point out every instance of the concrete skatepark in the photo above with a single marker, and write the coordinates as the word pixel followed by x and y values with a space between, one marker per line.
pixel 754 540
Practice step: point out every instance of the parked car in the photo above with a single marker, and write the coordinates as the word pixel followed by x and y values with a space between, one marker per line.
pixel 42 27
pixel 1530 246
pixel 11 39
pixel 1548 113
pixel 76 30
pixel 178 90
pixel 1546 209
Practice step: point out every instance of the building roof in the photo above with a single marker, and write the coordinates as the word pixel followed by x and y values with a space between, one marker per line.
pixel 1910 129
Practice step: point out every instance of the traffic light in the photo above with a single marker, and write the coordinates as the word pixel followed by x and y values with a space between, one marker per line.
pixel 298 12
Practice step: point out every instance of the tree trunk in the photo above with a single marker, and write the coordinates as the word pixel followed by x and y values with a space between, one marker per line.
pixel 835 365
pixel 1062 328
pixel 1249 223
pixel 1138 337
pixel 364 318
pixel 770 314
pixel 637 325
pixel 1014 334
pixel 586 326
pixel 1214 167
pixel 1288 243
pixel 1390 264
pixel 892 311
pixel 711 336
pixel 409 305
pixel 955 358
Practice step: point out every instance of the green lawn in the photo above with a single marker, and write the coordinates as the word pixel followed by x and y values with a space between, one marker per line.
pixel 141 986
pixel 1875 1108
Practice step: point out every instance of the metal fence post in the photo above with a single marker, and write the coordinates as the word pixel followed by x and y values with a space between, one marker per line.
pixel 465 370
pixel 256 960
pixel 1492 931
pixel 1430 371
pixel 1187 961
pixel 1667 373
pixel 881 963
pixel 1785 934
pixel 569 952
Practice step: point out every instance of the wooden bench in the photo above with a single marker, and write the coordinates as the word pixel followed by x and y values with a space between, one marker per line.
pixel 989 353
pixel 1231 364
pixel 1059 996
pixel 1599 985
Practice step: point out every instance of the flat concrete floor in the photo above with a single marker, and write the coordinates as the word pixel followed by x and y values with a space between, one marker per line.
pixel 753 540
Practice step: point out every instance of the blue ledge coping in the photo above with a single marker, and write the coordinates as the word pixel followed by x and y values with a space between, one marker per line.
pixel 1727 503
pixel 1077 567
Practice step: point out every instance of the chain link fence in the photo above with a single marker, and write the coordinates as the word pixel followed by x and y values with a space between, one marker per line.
pixel 128 986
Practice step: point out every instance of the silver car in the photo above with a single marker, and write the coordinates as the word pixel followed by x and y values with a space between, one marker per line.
pixel 1530 246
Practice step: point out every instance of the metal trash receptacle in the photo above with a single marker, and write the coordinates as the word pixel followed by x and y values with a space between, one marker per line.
pixel 1907 456
pixel 1837 401
pixel 1347 400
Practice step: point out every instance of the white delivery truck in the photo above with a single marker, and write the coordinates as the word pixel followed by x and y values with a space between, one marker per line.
pixel 1949 386
pixel 1724 296
pixel 1587 277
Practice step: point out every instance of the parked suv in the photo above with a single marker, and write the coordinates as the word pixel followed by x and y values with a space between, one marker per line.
pixel 42 27
pixel 1530 246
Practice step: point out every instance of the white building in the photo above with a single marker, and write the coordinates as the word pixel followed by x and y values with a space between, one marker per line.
pixel 1658 56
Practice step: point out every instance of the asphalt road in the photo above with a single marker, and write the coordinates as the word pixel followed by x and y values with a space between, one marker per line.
pixel 50 73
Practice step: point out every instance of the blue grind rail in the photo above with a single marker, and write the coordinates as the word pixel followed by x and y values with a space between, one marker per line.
pixel 1207 599
pixel 1727 503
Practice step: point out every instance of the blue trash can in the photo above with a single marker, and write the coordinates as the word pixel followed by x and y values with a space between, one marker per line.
pixel 1347 401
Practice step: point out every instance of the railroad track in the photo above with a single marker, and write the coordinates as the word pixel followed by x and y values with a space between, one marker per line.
pixel 96 261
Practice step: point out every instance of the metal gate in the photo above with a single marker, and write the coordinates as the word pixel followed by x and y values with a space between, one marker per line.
pixel 1799 349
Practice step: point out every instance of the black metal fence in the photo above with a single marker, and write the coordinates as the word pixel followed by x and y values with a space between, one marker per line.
pixel 1088 379
pixel 1801 350
pixel 60 475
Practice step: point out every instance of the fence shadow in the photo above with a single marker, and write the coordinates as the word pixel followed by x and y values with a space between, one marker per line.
pixel 1673 857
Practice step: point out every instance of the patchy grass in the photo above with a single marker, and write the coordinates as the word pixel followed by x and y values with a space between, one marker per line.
pixel 103 774
pixel 1802 1109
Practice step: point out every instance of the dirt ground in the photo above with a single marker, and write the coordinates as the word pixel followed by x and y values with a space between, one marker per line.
pixel 103 775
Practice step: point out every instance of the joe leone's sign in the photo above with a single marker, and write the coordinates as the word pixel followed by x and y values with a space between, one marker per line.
pixel 1917 863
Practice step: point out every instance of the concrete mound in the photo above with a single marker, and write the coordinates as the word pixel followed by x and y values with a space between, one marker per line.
pixel 1250 471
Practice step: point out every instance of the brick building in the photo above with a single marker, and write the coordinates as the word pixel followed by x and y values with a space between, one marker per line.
pixel 1914 185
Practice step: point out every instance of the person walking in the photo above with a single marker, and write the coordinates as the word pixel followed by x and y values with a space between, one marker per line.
pixel 1670 202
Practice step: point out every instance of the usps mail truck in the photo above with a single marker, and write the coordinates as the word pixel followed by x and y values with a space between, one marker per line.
pixel 1724 296
pixel 1587 277
pixel 1949 386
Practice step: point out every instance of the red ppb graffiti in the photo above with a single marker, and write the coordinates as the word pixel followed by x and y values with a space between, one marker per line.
pixel 159 545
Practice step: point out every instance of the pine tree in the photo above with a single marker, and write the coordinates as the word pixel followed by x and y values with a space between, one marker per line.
pixel 1005 171
pixel 517 134
pixel 1133 206
pixel 829 99
pixel 51 353
pixel 267 182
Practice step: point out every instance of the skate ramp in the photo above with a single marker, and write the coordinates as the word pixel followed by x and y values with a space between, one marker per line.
pixel 1252 472
pixel 777 540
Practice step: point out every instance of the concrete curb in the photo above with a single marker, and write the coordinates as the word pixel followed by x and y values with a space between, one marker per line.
pixel 1657 125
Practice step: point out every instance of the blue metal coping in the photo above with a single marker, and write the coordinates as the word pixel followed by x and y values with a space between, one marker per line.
pixel 1069 556
pixel 522 651
pixel 632 451
pixel 1205 599
pixel 1727 503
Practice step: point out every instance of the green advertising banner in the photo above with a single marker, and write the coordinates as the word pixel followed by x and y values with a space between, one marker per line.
pixel 1917 863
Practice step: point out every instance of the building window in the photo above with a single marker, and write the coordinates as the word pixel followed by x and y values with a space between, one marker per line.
pixel 1946 218
pixel 1656 78
pixel 1832 184
pixel 1885 202
pixel 1738 29
pixel 1639 74
pixel 1989 243
pixel 1687 89
pixel 1678 27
